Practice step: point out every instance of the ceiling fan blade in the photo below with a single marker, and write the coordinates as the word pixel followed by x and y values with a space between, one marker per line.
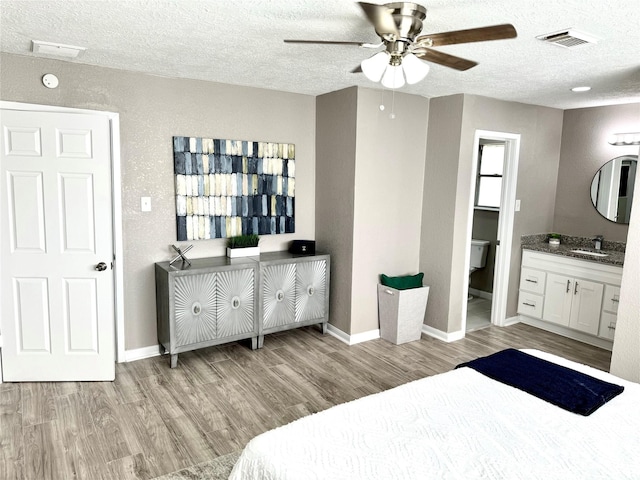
pixel 444 59
pixel 381 18
pixel 483 34
pixel 358 69
pixel 325 42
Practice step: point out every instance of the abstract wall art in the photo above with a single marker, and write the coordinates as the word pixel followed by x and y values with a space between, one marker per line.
pixel 226 188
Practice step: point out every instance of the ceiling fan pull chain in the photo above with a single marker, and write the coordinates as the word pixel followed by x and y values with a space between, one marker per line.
pixel 392 115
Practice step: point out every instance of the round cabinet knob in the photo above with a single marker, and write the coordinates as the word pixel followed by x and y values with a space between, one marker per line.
pixel 196 308
pixel 279 295
pixel 235 303
pixel 311 290
pixel 101 267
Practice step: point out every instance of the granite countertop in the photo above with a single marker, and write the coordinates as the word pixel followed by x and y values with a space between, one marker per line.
pixel 615 250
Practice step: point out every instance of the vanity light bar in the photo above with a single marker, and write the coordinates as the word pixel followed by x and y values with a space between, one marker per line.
pixel 625 139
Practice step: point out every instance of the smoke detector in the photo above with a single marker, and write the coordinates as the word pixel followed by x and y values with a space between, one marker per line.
pixel 568 38
pixel 56 49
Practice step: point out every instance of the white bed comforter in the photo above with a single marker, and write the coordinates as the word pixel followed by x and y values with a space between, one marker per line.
pixel 457 425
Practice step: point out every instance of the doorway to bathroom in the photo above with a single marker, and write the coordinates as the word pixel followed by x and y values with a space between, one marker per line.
pixel 484 232
pixel 490 228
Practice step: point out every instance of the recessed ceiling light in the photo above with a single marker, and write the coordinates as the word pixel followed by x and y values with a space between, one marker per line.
pixel 580 89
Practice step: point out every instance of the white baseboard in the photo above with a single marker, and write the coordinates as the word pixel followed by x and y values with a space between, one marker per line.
pixel 480 293
pixel 511 321
pixel 352 339
pixel 154 350
pixel 140 353
pixel 440 335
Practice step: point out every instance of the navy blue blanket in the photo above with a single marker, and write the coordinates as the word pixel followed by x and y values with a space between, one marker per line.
pixel 561 386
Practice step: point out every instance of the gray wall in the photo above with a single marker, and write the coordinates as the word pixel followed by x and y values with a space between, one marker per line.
pixel 439 209
pixel 369 192
pixel 448 190
pixel 336 119
pixel 388 196
pixel 152 109
pixel 584 151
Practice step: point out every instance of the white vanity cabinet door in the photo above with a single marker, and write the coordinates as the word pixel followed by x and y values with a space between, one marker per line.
pixel 585 306
pixel 557 299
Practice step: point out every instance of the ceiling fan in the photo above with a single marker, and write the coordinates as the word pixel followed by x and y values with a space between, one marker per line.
pixel 398 25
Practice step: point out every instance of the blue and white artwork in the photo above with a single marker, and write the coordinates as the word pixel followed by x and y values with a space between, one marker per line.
pixel 226 188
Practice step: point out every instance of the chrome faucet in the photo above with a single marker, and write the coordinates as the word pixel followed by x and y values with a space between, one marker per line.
pixel 597 242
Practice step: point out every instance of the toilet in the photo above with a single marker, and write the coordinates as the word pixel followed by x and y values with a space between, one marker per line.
pixel 479 249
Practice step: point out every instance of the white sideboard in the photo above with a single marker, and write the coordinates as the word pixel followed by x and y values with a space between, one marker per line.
pixel 572 297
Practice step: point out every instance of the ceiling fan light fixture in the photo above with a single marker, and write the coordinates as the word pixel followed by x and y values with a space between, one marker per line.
pixel 374 66
pixel 393 77
pixel 414 69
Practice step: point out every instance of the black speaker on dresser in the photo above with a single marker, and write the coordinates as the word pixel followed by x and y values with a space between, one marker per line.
pixel 303 247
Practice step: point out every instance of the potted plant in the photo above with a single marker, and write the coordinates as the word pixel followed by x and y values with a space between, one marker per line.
pixel 243 246
pixel 554 239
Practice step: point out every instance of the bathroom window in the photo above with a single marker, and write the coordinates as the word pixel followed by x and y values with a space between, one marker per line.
pixel 489 181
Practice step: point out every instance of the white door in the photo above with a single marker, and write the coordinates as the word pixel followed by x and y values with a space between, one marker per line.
pixel 56 247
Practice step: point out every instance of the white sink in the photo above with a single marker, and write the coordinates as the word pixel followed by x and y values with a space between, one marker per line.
pixel 587 252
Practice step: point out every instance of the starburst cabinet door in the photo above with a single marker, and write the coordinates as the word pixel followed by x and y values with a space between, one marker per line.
pixel 311 290
pixel 235 305
pixel 195 308
pixel 278 294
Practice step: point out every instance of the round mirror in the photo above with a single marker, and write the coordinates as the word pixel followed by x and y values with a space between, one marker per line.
pixel 612 188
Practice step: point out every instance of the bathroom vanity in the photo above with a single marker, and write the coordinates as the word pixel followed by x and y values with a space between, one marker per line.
pixel 572 296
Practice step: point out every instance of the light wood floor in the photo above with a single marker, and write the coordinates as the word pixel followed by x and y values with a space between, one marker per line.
pixel 153 420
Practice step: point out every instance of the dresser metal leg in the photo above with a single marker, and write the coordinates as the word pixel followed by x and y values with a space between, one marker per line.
pixel 260 341
pixel 174 360
pixel 324 327
pixel 254 343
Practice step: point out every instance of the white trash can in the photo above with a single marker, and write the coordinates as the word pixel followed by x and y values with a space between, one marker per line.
pixel 401 313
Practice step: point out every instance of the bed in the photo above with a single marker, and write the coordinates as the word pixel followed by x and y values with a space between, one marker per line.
pixel 457 425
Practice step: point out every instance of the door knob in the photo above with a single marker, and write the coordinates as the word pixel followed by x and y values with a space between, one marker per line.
pixel 101 267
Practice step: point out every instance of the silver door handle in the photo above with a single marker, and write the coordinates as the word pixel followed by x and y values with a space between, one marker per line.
pixel 568 285
pixel 101 267
pixel 532 281
pixel 575 290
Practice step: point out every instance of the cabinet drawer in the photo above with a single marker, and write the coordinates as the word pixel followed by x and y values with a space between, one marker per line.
pixel 532 280
pixel 611 299
pixel 607 325
pixel 530 304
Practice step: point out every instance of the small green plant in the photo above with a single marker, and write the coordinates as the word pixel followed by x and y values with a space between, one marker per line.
pixel 554 235
pixel 243 241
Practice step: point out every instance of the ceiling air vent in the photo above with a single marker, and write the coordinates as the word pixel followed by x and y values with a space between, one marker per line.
pixel 568 38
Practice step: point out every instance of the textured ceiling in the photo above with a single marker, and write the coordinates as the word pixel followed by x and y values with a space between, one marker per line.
pixel 240 42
